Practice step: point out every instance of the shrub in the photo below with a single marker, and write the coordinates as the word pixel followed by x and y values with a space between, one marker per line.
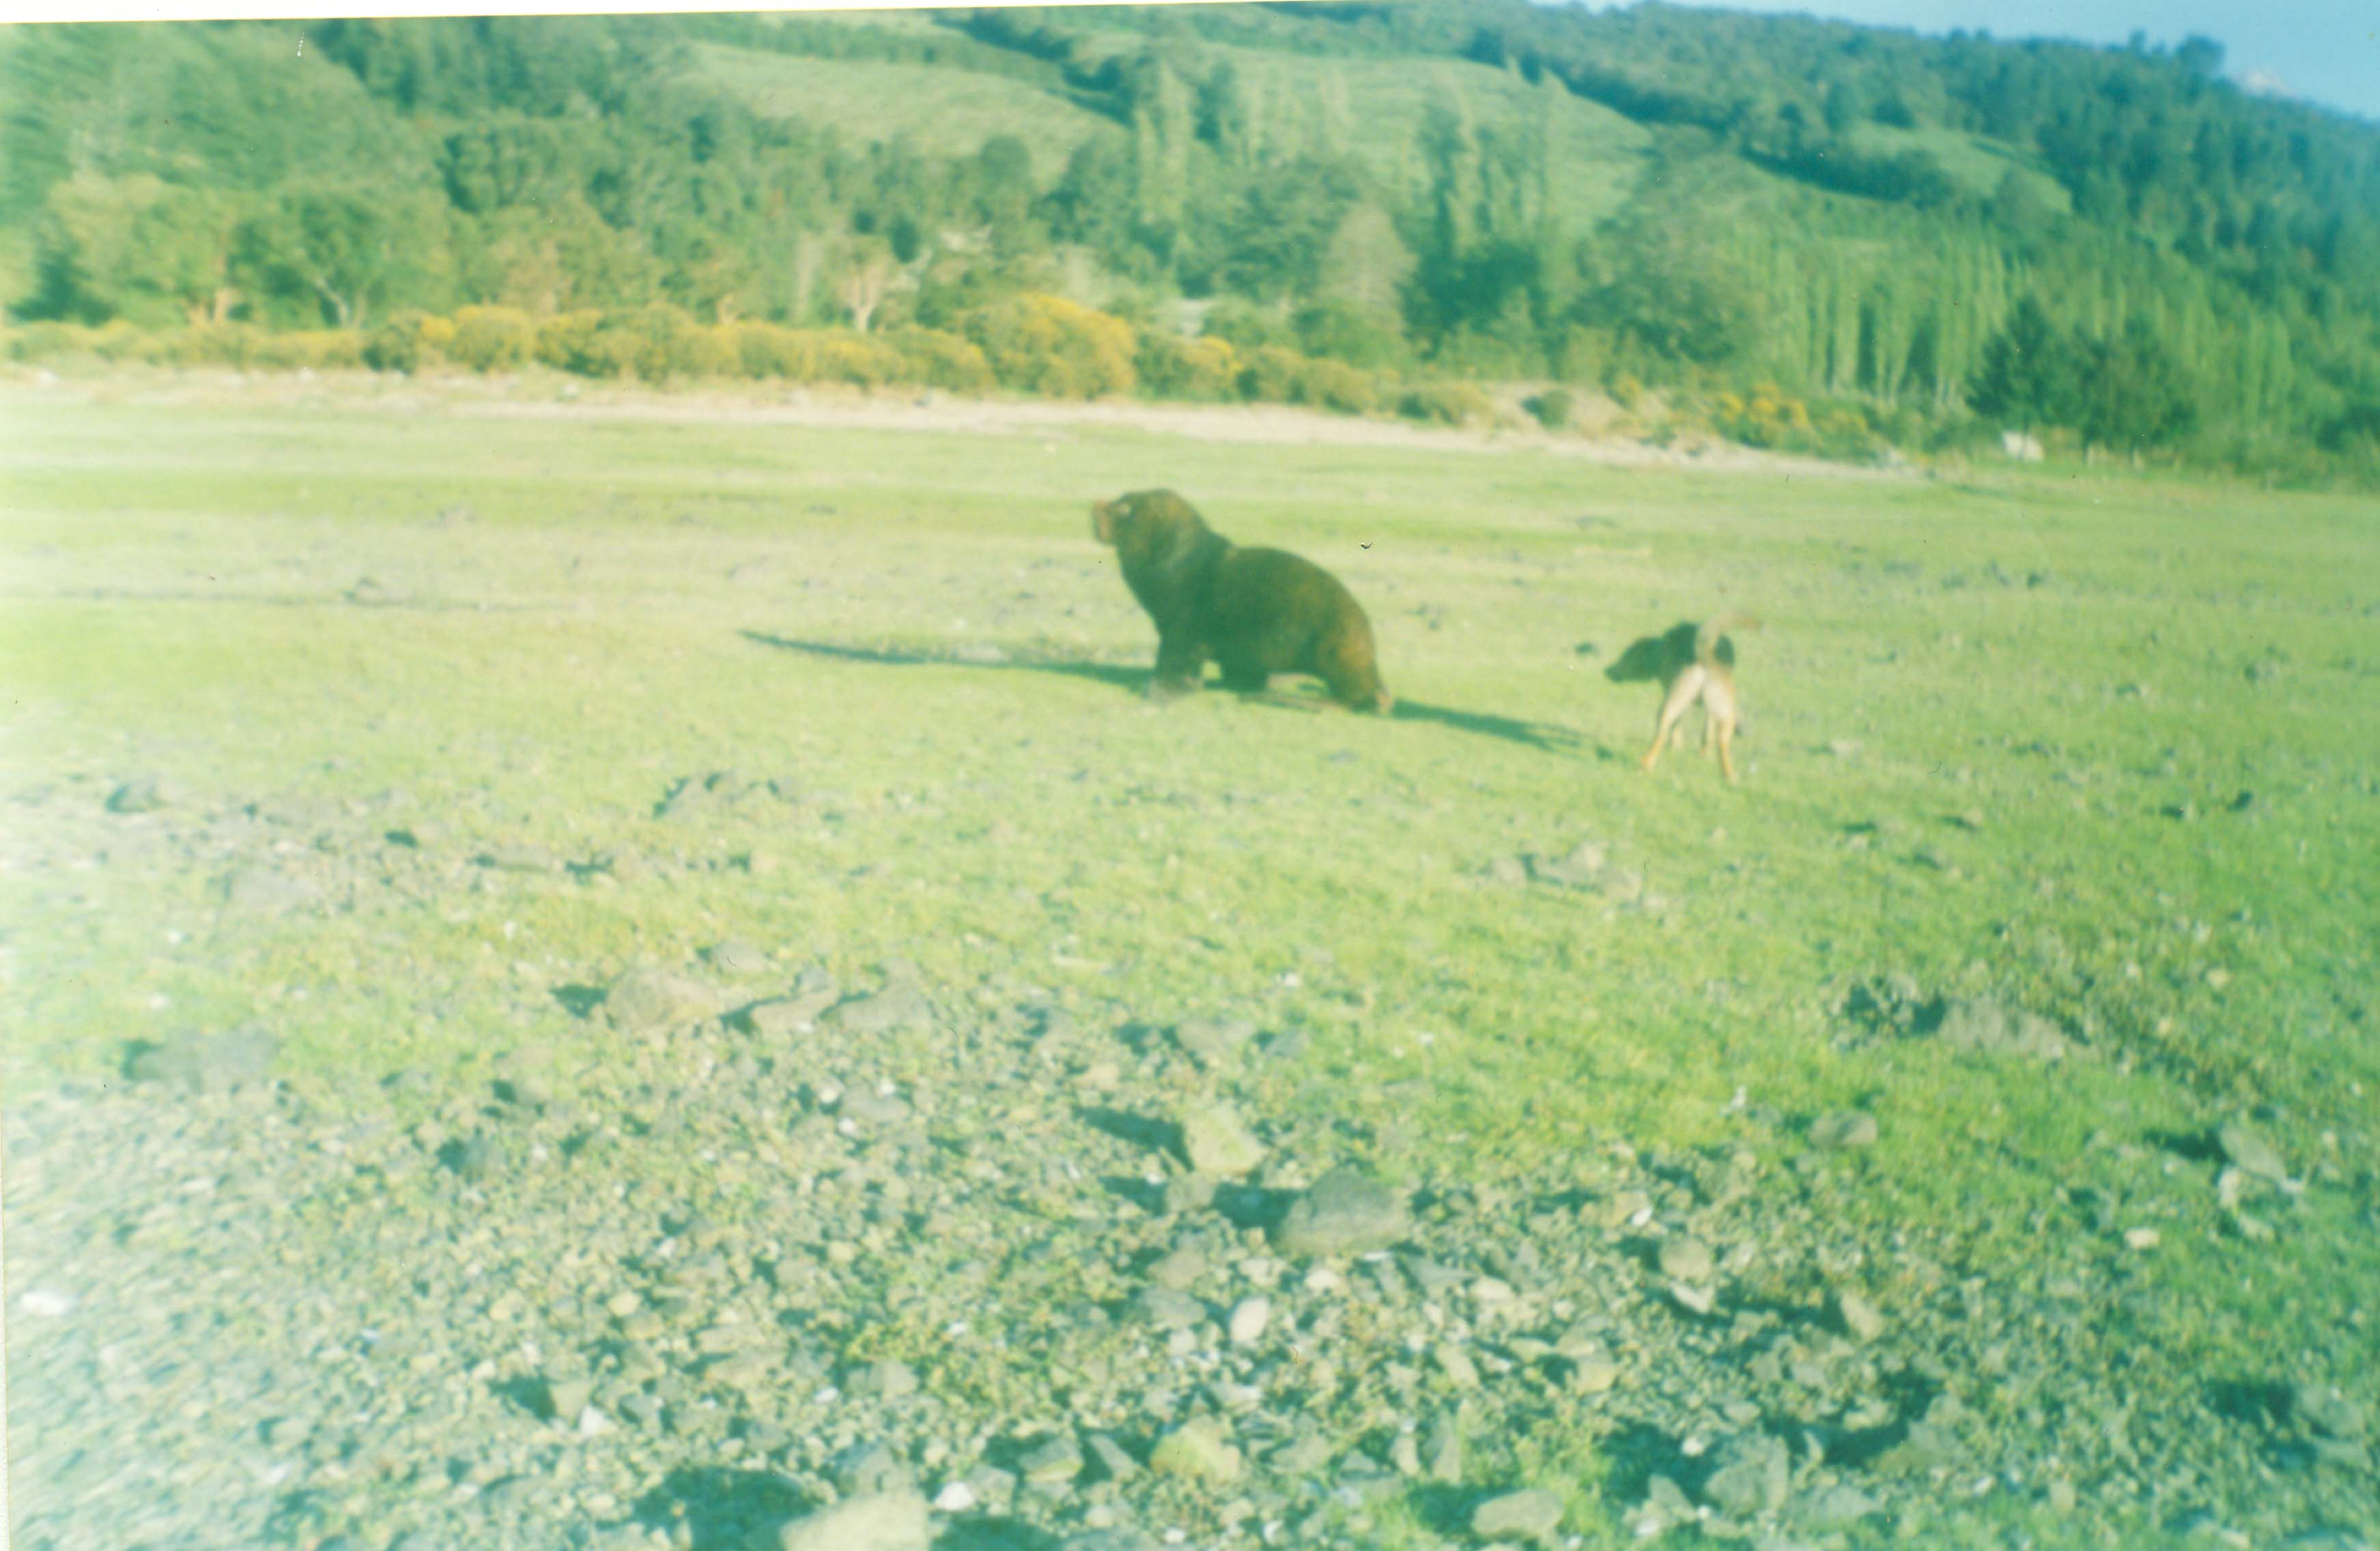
pixel 47 341
pixel 940 359
pixel 406 342
pixel 1336 385
pixel 1445 404
pixel 318 349
pixel 493 338
pixel 1048 345
pixel 861 359
pixel 565 342
pixel 1552 409
pixel 1270 374
pixel 773 350
pixel 1171 367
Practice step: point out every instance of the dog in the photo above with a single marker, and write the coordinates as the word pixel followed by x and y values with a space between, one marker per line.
pixel 1690 662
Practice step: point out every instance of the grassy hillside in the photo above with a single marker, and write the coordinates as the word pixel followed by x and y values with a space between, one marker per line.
pixel 1693 199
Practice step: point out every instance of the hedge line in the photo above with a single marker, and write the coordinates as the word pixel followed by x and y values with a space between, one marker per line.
pixel 1031 343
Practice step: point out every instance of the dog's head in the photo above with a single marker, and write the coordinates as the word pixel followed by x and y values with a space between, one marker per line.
pixel 1648 659
pixel 1148 526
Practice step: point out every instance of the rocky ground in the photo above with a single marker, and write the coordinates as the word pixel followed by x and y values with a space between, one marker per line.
pixel 754 1257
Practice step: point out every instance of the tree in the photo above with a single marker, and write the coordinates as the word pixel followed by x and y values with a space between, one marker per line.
pixel 2028 370
pixel 868 278
pixel 135 248
pixel 353 251
pixel 2130 394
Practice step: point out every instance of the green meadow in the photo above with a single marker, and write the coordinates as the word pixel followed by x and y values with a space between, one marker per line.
pixel 2094 745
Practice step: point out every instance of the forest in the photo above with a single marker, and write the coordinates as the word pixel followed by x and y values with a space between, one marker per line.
pixel 1808 234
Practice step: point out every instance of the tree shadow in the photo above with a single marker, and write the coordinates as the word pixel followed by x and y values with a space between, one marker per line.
pixel 1533 734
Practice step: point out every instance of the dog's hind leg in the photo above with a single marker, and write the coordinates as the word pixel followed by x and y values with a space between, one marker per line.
pixel 1681 695
pixel 1719 713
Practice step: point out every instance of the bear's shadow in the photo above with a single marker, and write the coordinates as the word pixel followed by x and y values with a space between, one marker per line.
pixel 1534 734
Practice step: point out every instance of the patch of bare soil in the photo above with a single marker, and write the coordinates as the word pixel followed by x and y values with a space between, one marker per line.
pixel 549 396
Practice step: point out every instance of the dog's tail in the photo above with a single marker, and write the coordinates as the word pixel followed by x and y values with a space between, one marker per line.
pixel 1710 636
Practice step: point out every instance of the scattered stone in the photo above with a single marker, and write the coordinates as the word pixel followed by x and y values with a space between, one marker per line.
pixel 888 1521
pixel 206 1063
pixel 1687 1259
pixel 1247 1320
pixel 1346 1212
pixel 139 795
pixel 1532 1514
pixel 1198 1449
pixel 1860 1317
pixel 1987 1028
pixel 644 999
pixel 1692 1299
pixel 1054 1463
pixel 1212 1042
pixel 1456 1365
pixel 2141 1238
pixel 261 889
pixel 1441 1452
pixel 884 1379
pixel 2251 1153
pixel 2327 1410
pixel 1841 1506
pixel 1752 1475
pixel 1166 1308
pixel 738 957
pixel 47 1303
pixel 1114 1462
pixel 1843 1130
pixel 1215 1142
pixel 895 1007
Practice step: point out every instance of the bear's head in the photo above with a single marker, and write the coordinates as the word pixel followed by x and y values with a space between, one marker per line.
pixel 1148 526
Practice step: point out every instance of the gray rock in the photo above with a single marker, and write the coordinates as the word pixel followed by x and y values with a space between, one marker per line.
pixel 1987 1028
pixel 894 1008
pixel 1248 1319
pixel 1215 1141
pixel 1860 1317
pixel 1842 1130
pixel 1052 1463
pixel 654 999
pixel 884 1379
pixel 2327 1410
pixel 1346 1212
pixel 2251 1152
pixel 886 1521
pixel 1840 1507
pixel 1114 1463
pixel 1441 1452
pixel 1166 1308
pixel 1532 1514
pixel 261 889
pixel 871 1107
pixel 738 957
pixel 1179 1268
pixel 1198 1450
pixel 1687 1259
pixel 142 795
pixel 866 1468
pixel 1212 1042
pixel 1753 1473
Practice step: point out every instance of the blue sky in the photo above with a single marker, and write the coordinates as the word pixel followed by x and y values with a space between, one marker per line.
pixel 2327 51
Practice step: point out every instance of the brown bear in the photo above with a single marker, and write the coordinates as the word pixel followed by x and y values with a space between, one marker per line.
pixel 1257 613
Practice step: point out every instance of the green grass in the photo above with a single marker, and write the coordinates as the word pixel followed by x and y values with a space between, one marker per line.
pixel 2065 656
pixel 943 110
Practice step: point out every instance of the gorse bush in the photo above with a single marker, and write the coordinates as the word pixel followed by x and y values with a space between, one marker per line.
pixel 493 338
pixel 1048 345
pixel 1173 367
pixel 1445 404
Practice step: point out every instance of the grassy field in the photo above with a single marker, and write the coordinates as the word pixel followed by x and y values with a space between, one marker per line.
pixel 2096 746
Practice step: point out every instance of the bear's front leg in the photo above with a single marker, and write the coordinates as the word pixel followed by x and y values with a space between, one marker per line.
pixel 1181 663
